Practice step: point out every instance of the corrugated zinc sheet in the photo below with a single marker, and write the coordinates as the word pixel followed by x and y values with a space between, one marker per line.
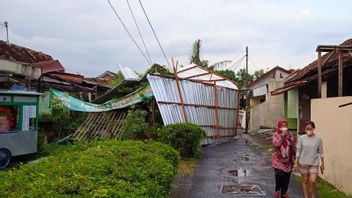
pixel 199 103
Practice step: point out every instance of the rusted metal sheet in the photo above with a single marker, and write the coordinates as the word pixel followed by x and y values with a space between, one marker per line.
pixel 17 53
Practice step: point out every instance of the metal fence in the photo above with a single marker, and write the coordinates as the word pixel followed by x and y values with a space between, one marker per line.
pixel 213 108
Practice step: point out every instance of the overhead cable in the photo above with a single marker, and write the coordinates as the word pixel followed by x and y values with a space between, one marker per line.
pixel 156 37
pixel 139 31
pixel 129 33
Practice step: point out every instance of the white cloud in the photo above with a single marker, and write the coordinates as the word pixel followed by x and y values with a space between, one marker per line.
pixel 87 38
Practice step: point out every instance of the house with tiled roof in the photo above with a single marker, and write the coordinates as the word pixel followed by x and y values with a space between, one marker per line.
pixel 322 92
pixel 264 108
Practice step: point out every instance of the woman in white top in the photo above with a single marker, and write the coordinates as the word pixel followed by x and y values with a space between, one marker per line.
pixel 310 154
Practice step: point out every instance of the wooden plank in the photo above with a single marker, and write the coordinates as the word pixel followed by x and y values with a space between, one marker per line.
pixel 113 123
pixel 237 112
pixel 86 129
pixel 216 111
pixel 319 74
pixel 340 75
pixel 195 76
pixel 82 126
pixel 117 127
pixel 95 126
pixel 180 93
pixel 100 125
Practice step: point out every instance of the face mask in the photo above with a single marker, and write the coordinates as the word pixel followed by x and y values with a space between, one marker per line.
pixel 283 129
pixel 310 132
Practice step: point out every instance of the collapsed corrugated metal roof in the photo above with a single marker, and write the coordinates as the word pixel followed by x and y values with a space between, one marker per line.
pixel 17 53
pixel 129 74
pixel 214 108
pixel 199 73
pixel 130 79
pixel 49 66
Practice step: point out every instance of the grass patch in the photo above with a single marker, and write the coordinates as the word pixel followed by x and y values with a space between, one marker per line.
pixel 186 167
pixel 326 190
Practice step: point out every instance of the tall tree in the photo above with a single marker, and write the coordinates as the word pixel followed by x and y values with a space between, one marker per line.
pixel 243 78
pixel 258 74
pixel 195 54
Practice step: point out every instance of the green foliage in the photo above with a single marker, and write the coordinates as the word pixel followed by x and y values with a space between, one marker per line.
pixel 118 80
pixel 96 169
pixel 156 68
pixel 60 117
pixel 228 74
pixel 63 122
pixel 258 74
pixel 186 138
pixel 135 126
pixel 243 78
pixel 195 54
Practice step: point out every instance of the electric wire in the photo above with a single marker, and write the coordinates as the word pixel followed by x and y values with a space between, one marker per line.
pixel 139 31
pixel 156 37
pixel 128 32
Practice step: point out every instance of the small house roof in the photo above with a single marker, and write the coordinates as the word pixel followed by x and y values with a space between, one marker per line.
pixel 199 73
pixel 49 66
pixel 310 72
pixel 9 51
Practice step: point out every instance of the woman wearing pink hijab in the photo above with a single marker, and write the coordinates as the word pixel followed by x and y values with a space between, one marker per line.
pixel 283 157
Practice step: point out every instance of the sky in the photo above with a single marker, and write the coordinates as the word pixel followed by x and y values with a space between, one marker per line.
pixel 86 37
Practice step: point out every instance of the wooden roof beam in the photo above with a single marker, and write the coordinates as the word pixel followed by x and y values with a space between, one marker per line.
pixel 329 48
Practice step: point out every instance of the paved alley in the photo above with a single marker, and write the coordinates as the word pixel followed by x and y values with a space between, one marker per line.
pixel 234 169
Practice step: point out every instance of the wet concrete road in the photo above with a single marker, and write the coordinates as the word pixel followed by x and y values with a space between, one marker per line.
pixel 234 169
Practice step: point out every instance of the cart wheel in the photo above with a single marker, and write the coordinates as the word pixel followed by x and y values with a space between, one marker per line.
pixel 5 158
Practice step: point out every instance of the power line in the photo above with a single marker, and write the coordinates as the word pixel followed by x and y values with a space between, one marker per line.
pixel 129 33
pixel 237 63
pixel 156 37
pixel 139 31
pixel 254 63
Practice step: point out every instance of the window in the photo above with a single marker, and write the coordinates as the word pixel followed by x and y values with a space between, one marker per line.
pixel 9 118
pixel 281 75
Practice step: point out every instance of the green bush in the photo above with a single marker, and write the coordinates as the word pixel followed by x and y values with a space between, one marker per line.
pixel 135 126
pixel 186 138
pixel 96 169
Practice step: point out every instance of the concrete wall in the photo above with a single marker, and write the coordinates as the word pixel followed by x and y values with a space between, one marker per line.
pixel 44 104
pixel 334 125
pixel 267 113
pixel 18 68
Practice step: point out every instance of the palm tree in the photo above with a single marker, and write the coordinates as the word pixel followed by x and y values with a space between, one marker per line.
pixel 195 54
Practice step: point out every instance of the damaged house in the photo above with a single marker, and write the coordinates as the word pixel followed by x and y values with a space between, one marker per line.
pixel 24 69
pixel 322 92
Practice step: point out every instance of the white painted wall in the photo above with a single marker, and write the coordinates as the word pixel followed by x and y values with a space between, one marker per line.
pixel 18 68
pixel 334 126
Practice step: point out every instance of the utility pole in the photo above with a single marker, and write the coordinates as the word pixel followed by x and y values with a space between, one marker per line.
pixel 246 63
pixel 246 87
pixel 7 31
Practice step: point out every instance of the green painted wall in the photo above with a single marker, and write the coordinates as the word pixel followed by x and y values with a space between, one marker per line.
pixel 291 108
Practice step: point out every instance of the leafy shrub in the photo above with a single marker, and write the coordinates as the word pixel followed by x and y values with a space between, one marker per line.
pixel 135 126
pixel 96 169
pixel 62 121
pixel 186 138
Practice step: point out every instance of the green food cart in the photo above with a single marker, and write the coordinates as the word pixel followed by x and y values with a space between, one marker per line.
pixel 18 124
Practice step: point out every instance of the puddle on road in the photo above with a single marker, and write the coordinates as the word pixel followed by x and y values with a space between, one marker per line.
pixel 239 172
pixel 242 189
pixel 242 157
